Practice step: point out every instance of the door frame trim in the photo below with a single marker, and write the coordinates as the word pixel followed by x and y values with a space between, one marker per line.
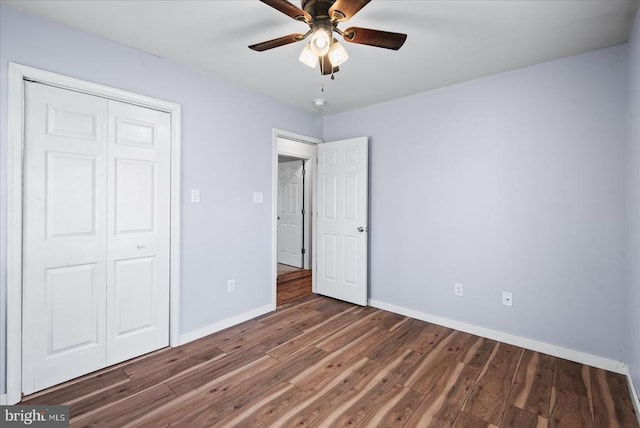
pixel 18 74
pixel 296 139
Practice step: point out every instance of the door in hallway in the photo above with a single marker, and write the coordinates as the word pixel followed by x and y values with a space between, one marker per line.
pixel 290 214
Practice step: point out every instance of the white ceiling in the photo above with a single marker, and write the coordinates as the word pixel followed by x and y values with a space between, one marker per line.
pixel 448 41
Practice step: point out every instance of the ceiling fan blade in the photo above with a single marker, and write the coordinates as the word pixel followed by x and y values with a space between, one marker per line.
pixel 378 38
pixel 288 9
pixel 326 67
pixel 280 41
pixel 342 10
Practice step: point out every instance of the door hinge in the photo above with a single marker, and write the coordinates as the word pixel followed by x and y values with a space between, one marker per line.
pixel 303 211
pixel 304 251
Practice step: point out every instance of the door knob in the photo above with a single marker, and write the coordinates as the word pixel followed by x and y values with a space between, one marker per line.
pixel 361 229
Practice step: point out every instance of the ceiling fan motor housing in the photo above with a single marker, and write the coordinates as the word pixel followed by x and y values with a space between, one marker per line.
pixel 318 9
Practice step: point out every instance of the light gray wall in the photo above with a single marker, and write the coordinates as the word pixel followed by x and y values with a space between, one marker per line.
pixel 225 236
pixel 633 205
pixel 510 182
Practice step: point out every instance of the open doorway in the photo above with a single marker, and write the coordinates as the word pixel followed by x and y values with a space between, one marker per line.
pixel 294 275
pixel 294 189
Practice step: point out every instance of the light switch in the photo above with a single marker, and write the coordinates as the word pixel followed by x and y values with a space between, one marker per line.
pixel 195 196
pixel 258 197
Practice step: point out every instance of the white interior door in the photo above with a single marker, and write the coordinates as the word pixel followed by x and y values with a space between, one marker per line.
pixel 64 235
pixel 290 214
pixel 95 234
pixel 342 223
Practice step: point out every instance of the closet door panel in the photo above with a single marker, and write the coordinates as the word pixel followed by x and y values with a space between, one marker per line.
pixel 138 231
pixel 64 235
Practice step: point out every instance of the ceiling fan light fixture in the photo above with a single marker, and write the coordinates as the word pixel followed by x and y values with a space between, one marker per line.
pixel 307 57
pixel 320 41
pixel 323 17
pixel 337 54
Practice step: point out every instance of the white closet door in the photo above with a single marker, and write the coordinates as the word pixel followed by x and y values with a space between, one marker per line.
pixel 96 234
pixel 138 231
pixel 64 237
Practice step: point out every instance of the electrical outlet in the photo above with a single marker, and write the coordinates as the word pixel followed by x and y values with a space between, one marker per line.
pixel 195 196
pixel 231 286
pixel 507 298
pixel 458 289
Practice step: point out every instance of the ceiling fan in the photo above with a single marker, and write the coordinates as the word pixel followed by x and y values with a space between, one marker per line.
pixel 323 17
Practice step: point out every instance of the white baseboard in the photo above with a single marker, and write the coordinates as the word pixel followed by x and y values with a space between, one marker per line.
pixel 534 345
pixel 634 393
pixel 3 399
pixel 225 323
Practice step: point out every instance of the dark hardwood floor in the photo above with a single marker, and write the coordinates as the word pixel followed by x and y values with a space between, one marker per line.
pixel 293 285
pixel 282 269
pixel 321 362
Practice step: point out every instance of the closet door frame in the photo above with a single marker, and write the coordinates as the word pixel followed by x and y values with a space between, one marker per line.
pixel 18 74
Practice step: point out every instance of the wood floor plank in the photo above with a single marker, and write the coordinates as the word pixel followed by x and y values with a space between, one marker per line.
pixel 398 339
pixel 313 335
pixel 127 410
pixel 217 369
pixel 534 381
pixel 612 406
pixel 427 360
pixel 476 352
pixel 490 395
pixel 301 319
pixel 353 407
pixel 317 375
pixel 262 412
pixel 427 338
pixel 398 406
pixel 276 333
pixel 347 334
pixel 292 286
pixel 515 417
pixel 173 361
pixel 309 303
pixel 119 392
pixel 466 420
pixel 72 391
pixel 372 399
pixel 330 307
pixel 191 402
pixel 319 362
pixel 245 394
pixel 569 410
pixel 426 378
pixel 408 364
pixel 568 376
pixel 442 404
pixel 314 410
pixel 385 320
pixel 219 339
